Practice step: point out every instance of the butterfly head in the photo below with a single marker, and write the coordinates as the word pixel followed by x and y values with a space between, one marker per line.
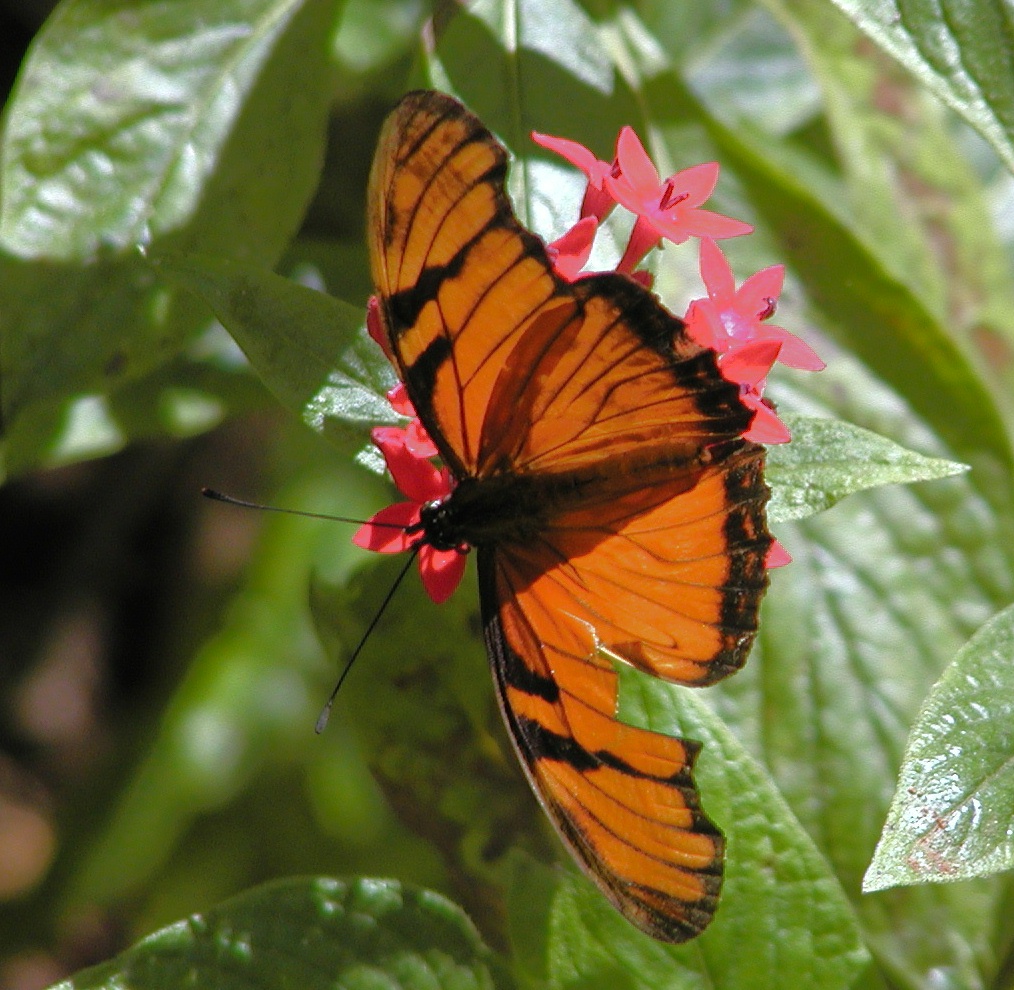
pixel 440 527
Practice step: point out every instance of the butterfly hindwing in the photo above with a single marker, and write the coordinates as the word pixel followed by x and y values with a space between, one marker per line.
pixel 616 510
pixel 622 798
pixel 664 578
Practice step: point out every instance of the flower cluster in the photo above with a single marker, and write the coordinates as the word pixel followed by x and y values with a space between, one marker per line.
pixel 732 321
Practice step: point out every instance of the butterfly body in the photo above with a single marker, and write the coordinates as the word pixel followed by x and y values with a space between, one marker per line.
pixel 601 475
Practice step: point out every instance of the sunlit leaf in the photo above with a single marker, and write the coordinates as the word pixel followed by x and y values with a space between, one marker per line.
pixel 125 119
pixel 199 123
pixel 953 812
pixel 309 347
pixel 883 589
pixel 828 459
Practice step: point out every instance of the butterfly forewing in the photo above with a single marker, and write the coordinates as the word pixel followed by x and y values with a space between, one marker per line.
pixel 627 514
pixel 457 278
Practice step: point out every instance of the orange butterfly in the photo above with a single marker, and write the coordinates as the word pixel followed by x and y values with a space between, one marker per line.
pixel 598 469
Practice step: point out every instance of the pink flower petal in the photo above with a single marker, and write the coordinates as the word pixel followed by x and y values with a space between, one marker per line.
pixel 695 184
pixel 760 291
pixel 418 441
pixel 749 364
pixel 643 278
pixel 570 252
pixel 795 353
pixel 637 173
pixel 700 223
pixel 766 426
pixel 415 476
pixel 597 203
pixel 777 556
pixel 398 397
pixel 386 530
pixel 576 154
pixel 705 326
pixel 715 272
pixel 441 571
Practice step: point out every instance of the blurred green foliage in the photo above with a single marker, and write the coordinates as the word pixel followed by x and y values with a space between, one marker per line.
pixel 164 659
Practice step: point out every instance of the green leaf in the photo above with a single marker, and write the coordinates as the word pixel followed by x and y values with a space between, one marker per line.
pixel 868 141
pixel 193 123
pixel 750 69
pixel 778 891
pixel 953 812
pixel 186 396
pixel 373 34
pixel 829 459
pixel 963 50
pixel 68 329
pixel 309 348
pixel 124 116
pixel 312 933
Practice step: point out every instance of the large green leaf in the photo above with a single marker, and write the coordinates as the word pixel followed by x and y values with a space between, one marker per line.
pixel 124 113
pixel 193 123
pixel 961 49
pixel 187 395
pixel 309 933
pixel 953 812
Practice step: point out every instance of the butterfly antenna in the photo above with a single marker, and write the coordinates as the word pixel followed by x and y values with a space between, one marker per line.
pixel 326 711
pixel 217 496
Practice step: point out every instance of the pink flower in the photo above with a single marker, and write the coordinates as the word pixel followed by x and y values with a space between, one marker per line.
pixel 569 253
pixel 667 209
pixel 748 366
pixel 597 202
pixel 416 438
pixel 730 317
pixel 398 528
pixel 777 556
pixel 643 237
